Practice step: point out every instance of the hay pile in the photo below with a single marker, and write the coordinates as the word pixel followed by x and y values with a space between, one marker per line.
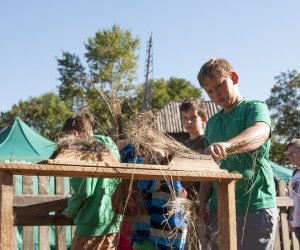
pixel 142 133
pixel 93 149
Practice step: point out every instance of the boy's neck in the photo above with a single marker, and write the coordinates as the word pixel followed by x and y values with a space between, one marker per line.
pixel 194 136
pixel 234 104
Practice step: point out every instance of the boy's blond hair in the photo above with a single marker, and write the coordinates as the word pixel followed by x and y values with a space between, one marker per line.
pixel 214 68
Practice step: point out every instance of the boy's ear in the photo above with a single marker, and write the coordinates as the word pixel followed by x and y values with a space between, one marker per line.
pixel 204 118
pixel 234 77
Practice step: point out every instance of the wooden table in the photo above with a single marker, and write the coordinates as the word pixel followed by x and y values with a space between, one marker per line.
pixel 201 170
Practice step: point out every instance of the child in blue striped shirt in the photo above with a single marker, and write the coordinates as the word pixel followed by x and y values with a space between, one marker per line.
pixel 164 224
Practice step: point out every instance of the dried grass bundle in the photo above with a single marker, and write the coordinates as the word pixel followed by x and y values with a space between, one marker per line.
pixel 93 149
pixel 190 207
pixel 127 200
pixel 69 141
pixel 141 132
pixel 238 146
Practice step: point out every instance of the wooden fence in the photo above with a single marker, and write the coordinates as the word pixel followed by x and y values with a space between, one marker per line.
pixel 43 209
pixel 32 210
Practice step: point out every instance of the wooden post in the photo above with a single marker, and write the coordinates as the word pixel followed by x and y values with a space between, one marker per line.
pixel 227 215
pixel 43 230
pixel 6 211
pixel 60 231
pixel 286 245
pixel 28 239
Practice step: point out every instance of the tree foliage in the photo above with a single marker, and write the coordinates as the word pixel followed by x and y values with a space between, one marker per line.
pixel 112 63
pixel 72 78
pixel 164 91
pixel 284 105
pixel 45 114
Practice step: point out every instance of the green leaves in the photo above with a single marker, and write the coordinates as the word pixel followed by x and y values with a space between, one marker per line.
pixel 45 114
pixel 284 105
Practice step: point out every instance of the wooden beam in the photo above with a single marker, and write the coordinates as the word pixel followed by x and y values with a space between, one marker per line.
pixel 29 200
pixel 127 171
pixel 178 163
pixel 45 220
pixel 283 218
pixel 284 202
pixel 6 210
pixel 227 215
pixel 39 207
pixel 43 189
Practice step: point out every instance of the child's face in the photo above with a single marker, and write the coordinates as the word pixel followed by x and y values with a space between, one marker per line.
pixel 192 122
pixel 294 155
pixel 222 91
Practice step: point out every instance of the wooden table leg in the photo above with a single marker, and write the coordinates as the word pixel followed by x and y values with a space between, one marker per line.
pixel 6 211
pixel 227 215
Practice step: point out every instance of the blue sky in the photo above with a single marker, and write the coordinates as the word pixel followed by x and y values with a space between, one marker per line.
pixel 260 38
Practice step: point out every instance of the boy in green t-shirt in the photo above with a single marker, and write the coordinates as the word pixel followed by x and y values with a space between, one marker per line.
pixel 97 226
pixel 244 126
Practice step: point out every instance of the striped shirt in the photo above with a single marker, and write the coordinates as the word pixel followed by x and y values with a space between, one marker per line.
pixel 164 223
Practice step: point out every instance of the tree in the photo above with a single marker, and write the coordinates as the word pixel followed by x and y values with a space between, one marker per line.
pixel 112 61
pixel 284 105
pixel 45 114
pixel 174 89
pixel 72 78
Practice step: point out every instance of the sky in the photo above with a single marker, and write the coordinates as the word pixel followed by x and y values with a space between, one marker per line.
pixel 260 38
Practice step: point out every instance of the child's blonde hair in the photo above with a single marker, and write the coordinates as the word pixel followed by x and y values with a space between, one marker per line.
pixel 295 142
pixel 80 122
pixel 214 68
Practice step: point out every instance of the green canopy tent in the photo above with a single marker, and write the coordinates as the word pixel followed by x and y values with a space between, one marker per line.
pixel 280 172
pixel 19 143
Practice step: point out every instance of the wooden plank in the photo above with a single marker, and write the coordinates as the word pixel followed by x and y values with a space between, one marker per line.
pixel 84 156
pixel 227 215
pixel 295 242
pixel 111 172
pixel 60 231
pixel 28 239
pixel 286 245
pixel 43 230
pixel 41 209
pixel 284 202
pixel 44 220
pixel 181 162
pixel 6 213
pixel 29 200
pixel 277 244
pixel 15 231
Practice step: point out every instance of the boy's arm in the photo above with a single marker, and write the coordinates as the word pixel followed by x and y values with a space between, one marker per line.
pixel 203 198
pixel 81 191
pixel 248 140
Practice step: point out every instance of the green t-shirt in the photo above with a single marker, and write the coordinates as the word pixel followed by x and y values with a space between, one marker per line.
pixel 90 202
pixel 256 190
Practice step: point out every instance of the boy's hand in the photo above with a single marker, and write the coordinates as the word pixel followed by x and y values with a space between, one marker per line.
pixel 202 214
pixel 292 229
pixel 217 150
